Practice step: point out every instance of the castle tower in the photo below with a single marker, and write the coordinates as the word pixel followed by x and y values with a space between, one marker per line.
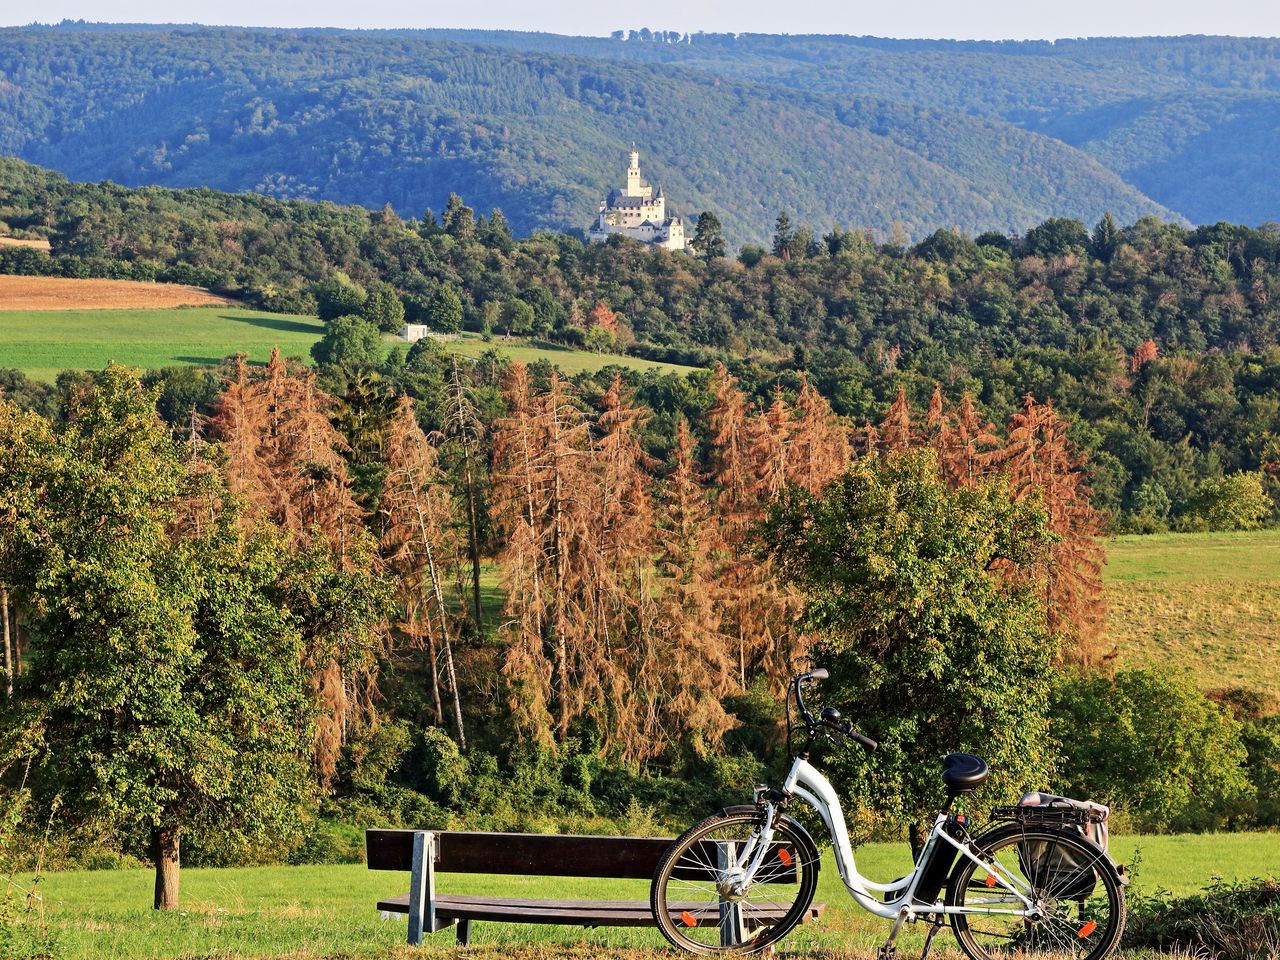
pixel 635 186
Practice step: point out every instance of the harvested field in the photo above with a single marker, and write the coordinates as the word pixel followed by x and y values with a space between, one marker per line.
pixel 19 242
pixel 62 293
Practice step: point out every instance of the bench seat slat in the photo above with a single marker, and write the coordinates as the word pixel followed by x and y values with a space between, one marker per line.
pixel 526 854
pixel 619 913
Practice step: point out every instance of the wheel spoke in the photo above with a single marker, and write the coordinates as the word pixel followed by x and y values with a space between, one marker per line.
pixel 1077 904
pixel 689 908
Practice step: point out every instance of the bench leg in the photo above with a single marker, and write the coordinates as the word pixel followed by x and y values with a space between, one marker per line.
pixel 464 933
pixel 422 887
pixel 731 927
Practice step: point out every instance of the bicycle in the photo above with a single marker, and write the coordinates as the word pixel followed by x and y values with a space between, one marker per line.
pixel 1031 887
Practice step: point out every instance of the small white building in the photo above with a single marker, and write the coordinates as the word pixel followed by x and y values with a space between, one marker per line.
pixel 636 211
pixel 414 332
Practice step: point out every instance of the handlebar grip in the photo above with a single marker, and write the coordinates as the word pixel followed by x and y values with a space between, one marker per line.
pixel 819 674
pixel 865 741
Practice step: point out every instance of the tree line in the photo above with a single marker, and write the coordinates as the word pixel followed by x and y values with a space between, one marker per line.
pixel 269 605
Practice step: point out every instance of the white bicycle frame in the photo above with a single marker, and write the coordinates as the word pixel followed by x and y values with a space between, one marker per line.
pixel 806 782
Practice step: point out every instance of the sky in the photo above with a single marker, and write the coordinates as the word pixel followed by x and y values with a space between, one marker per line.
pixel 959 19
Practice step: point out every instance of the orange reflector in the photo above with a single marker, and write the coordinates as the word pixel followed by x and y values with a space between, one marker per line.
pixel 688 919
pixel 1087 929
pixel 785 856
pixel 991 880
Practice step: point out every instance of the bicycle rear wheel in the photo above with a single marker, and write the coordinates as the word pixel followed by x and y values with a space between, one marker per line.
pixel 699 897
pixel 1077 895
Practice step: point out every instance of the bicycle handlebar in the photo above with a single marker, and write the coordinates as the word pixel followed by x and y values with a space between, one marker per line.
pixel 842 729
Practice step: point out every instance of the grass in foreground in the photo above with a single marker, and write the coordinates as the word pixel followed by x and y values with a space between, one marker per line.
pixel 313 912
pixel 1206 603
pixel 42 343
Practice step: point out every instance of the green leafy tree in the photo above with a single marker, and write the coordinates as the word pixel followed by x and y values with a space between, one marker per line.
pixel 1055 237
pixel 1154 745
pixel 444 311
pixel 384 308
pixel 930 648
pixel 348 340
pixel 166 685
pixel 517 317
pixel 338 296
pixel 708 237
pixel 1238 501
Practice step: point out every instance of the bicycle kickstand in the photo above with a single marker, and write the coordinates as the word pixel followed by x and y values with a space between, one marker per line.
pixel 937 925
pixel 889 951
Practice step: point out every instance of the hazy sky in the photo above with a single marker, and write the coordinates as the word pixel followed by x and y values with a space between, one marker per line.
pixel 966 19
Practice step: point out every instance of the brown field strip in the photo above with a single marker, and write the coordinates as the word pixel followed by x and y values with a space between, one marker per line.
pixel 19 242
pixel 62 293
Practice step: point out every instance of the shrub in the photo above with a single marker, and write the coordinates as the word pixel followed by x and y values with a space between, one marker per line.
pixel 348 340
pixel 1228 921
pixel 1153 745
pixel 1237 501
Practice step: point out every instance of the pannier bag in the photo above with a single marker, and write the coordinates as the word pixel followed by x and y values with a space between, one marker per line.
pixel 1050 867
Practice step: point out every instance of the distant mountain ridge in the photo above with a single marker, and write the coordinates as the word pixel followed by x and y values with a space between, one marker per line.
pixel 855 131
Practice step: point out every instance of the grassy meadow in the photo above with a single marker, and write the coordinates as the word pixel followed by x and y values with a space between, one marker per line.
pixel 1206 603
pixel 42 343
pixel 307 912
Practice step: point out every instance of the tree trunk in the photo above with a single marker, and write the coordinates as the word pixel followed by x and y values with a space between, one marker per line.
pixel 915 836
pixel 8 651
pixel 473 538
pixel 164 844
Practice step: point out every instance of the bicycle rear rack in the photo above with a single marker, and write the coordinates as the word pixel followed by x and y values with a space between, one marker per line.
pixel 1048 815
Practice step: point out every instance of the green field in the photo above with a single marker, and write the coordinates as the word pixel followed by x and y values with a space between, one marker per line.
pixel 324 911
pixel 1206 603
pixel 568 360
pixel 42 343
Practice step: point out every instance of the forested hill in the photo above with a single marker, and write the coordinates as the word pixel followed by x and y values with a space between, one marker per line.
pixel 1193 122
pixel 409 117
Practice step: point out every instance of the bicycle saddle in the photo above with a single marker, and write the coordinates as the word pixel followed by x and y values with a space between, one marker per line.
pixel 962 772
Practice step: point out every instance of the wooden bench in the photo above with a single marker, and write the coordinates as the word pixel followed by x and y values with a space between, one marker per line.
pixel 424 853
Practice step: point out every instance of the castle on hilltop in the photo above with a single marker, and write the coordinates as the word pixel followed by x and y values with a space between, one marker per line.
pixel 636 211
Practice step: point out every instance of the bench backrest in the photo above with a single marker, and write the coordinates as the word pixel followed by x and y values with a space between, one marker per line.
pixel 531 854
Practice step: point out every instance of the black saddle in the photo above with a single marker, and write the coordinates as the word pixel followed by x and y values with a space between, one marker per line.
pixel 963 772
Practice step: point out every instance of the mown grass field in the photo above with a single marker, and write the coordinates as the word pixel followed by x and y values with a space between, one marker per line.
pixel 42 343
pixel 570 361
pixel 328 911
pixel 66 293
pixel 1204 603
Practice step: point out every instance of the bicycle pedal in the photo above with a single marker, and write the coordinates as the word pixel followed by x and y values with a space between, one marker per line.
pixel 888 952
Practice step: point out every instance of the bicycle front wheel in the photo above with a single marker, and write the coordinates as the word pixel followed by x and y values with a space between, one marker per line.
pixel 1077 903
pixel 720 889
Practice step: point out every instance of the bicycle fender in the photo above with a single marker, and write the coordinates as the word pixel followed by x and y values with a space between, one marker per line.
pixel 793 824
pixel 1014 830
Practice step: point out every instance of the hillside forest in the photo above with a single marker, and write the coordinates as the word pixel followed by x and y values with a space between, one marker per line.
pixel 247 609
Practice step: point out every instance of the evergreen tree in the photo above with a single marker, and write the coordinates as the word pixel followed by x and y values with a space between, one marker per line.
pixel 708 237
pixel 1106 238
pixel 782 236
pixel 459 220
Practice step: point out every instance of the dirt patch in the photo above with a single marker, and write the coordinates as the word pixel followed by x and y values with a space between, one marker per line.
pixel 62 293
pixel 19 242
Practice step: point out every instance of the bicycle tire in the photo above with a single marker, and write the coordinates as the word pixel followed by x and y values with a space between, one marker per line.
pixel 1064 935
pixel 787 832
